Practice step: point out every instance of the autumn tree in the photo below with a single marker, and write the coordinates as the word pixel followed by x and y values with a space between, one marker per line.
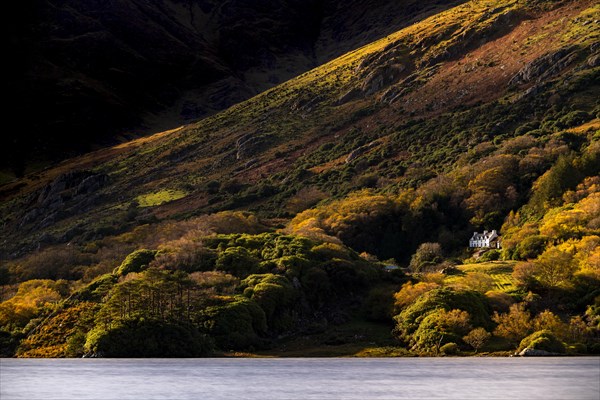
pixel 477 338
pixel 514 325
pixel 410 292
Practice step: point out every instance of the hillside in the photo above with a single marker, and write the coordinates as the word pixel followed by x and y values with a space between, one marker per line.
pixel 101 73
pixel 281 210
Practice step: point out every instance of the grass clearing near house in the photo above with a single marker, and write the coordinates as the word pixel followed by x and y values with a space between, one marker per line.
pixel 499 271
pixel 160 197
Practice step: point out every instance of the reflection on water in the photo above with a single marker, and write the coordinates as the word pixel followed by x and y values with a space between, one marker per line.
pixel 561 378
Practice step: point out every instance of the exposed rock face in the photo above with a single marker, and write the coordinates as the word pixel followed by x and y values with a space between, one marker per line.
pixel 73 189
pixel 545 66
pixel 361 150
pixel 248 145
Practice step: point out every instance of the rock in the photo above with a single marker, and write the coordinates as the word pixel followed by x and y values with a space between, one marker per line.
pixel 248 145
pixel 352 94
pixel 545 66
pixel 528 352
pixel 91 184
pixel 593 60
pixel 382 77
pixel 360 150
pixel 306 104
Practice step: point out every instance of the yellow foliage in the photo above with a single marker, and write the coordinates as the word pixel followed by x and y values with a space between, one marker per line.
pixel 409 293
pixel 31 297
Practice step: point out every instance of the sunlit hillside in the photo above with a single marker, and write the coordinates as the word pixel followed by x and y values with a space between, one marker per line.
pixel 338 205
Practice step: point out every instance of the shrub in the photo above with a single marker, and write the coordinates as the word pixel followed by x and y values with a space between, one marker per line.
pixel 542 340
pixel 531 247
pixel 136 261
pixel 428 255
pixel 514 325
pixel 148 338
pixel 477 338
pixel 274 294
pixel 491 255
pixel 410 318
pixel 235 324
pixel 449 349
pixel 237 261
pixel 409 293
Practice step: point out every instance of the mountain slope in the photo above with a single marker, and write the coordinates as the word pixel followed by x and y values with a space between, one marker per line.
pixel 96 74
pixel 362 104
pixel 479 117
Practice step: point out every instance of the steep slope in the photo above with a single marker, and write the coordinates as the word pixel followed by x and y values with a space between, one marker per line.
pixel 99 73
pixel 376 104
pixel 479 117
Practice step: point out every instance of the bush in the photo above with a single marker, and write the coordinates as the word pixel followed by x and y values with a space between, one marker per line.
pixel 491 255
pixel 542 340
pixel 530 247
pixel 449 349
pixel 274 294
pixel 410 319
pixel 148 338
pixel 136 261
pixel 428 255
pixel 236 324
pixel 237 261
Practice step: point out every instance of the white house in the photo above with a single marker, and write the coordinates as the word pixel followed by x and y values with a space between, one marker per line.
pixel 485 239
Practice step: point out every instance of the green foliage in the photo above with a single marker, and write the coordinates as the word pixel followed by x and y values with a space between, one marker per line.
pixel 379 304
pixel 236 323
pixel 275 295
pixel 160 197
pixel 421 324
pixel 136 262
pixel 427 257
pixel 449 349
pixel 530 247
pixel 237 261
pixel 97 289
pixel 148 338
pixel 542 340
pixel 439 327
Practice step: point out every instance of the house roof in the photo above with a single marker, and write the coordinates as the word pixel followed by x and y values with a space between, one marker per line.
pixel 485 235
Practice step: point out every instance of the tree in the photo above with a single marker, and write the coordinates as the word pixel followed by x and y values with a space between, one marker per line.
pixel 514 325
pixel 427 255
pixel 477 338
pixel 554 267
pixel 409 293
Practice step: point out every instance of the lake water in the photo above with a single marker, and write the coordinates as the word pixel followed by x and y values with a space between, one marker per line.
pixel 561 378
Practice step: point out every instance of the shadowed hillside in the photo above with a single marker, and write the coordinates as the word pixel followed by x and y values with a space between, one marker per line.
pixel 99 73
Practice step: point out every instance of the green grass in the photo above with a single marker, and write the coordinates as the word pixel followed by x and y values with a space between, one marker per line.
pixel 160 197
pixel 499 271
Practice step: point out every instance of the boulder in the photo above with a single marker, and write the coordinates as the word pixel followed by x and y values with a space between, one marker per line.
pixel 529 352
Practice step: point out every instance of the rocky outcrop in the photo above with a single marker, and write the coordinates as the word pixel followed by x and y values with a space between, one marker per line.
pixel 382 77
pixel 68 190
pixel 360 151
pixel 545 66
pixel 249 144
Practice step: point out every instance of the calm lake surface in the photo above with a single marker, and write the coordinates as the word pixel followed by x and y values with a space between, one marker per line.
pixel 561 378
